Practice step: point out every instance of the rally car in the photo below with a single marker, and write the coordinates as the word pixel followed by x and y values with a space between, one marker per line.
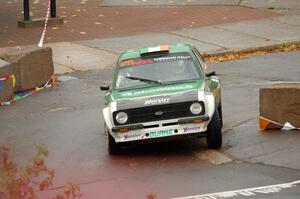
pixel 159 93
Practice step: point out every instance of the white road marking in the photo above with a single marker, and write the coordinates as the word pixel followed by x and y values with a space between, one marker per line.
pixel 245 192
pixel 59 109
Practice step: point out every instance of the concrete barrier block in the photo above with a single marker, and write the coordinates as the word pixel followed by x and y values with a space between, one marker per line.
pixel 6 86
pixel 280 102
pixel 31 65
pixel 14 67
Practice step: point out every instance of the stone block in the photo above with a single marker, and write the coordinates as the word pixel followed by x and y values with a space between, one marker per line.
pixel 31 65
pixel 6 86
pixel 280 102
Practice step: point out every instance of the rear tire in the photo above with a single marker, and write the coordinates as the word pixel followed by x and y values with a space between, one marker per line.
pixel 113 148
pixel 214 132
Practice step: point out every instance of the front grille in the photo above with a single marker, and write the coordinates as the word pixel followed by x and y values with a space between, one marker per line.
pixel 147 114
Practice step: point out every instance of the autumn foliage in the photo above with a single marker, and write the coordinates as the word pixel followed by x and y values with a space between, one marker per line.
pixel 151 196
pixel 26 182
pixel 239 55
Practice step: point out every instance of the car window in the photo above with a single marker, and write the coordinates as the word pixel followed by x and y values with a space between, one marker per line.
pixel 166 68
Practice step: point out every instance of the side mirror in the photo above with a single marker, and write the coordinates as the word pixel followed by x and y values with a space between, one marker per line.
pixel 104 88
pixel 213 73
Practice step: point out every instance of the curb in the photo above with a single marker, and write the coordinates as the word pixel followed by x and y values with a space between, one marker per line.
pixel 266 48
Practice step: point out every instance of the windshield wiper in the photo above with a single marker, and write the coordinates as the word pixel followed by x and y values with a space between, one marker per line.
pixel 144 80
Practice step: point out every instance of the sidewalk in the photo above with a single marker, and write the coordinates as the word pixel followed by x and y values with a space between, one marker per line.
pixel 85 19
pixel 213 29
pixel 229 37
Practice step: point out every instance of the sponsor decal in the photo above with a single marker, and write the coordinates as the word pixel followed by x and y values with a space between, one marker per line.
pixel 132 136
pixel 172 58
pixel 157 101
pixel 135 63
pixel 149 91
pixel 191 129
pixel 160 133
pixel 158 60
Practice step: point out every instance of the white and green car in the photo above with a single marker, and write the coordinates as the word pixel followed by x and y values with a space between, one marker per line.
pixel 161 93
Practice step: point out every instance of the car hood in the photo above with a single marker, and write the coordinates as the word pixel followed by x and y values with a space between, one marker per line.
pixel 157 95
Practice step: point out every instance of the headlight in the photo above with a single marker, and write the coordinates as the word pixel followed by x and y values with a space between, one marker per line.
pixel 196 108
pixel 122 117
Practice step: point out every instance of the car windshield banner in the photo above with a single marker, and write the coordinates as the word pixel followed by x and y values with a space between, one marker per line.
pixel 160 59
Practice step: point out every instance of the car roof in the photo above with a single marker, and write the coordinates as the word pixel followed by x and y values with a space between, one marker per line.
pixel 172 48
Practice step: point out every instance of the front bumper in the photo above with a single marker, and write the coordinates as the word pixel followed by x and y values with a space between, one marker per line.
pixel 160 129
pixel 164 128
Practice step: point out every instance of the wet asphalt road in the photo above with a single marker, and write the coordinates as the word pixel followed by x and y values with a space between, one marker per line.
pixel 67 118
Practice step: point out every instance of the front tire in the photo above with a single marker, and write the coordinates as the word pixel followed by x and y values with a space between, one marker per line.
pixel 214 132
pixel 220 114
pixel 113 148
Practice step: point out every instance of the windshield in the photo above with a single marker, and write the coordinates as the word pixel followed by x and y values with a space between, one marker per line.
pixel 162 69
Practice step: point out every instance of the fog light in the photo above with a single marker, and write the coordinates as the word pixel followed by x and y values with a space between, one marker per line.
pixel 122 130
pixel 197 121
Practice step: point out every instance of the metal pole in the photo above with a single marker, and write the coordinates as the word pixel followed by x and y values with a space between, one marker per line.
pixel 53 8
pixel 26 10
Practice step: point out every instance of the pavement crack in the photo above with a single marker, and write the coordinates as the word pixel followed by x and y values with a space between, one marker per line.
pixel 243 33
pixel 194 39
pixel 226 130
pixel 69 67
pixel 268 165
pixel 263 154
pixel 102 49
pixel 282 22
